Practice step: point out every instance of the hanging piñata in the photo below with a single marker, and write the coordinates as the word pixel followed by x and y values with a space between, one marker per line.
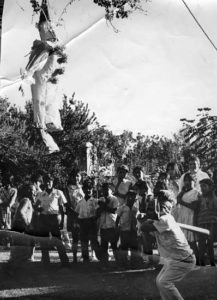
pixel 42 67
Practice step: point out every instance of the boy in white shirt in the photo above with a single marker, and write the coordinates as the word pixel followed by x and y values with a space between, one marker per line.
pixel 127 222
pixel 107 216
pixel 86 211
pixel 73 193
pixel 173 247
pixel 50 202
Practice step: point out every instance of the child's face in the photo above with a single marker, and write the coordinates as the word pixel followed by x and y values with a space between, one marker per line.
pixel 194 166
pixel 78 178
pixel 163 179
pixel 122 174
pixel 138 174
pixel 32 192
pixel 106 191
pixel 49 184
pixel 88 191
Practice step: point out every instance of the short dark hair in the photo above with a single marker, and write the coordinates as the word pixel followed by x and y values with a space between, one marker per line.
pixel 165 195
pixel 48 177
pixel 194 158
pixel 105 185
pixel 25 191
pixel 175 166
pixel 131 193
pixel 162 174
pixel 189 176
pixel 123 167
pixel 137 168
pixel 88 183
pixel 74 173
pixel 37 177
pixel 8 179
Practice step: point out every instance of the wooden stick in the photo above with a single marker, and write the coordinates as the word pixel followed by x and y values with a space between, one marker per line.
pixel 194 228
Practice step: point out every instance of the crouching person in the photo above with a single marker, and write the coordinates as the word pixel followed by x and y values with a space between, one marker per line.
pixel 86 211
pixel 173 247
pixel 21 240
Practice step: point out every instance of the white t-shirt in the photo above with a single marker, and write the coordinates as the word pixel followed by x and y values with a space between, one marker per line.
pixel 122 189
pixel 106 219
pixel 75 194
pixel 86 208
pixel 171 241
pixel 50 202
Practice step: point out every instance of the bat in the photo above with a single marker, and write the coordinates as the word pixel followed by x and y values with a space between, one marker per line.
pixel 194 228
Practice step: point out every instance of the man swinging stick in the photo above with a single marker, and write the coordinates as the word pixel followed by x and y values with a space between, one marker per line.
pixel 173 247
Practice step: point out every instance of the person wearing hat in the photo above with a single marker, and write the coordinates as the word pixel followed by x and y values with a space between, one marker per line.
pixel 173 247
pixel 50 203
pixel 121 184
pixel 207 218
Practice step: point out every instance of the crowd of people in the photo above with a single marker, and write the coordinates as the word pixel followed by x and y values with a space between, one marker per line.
pixel 111 216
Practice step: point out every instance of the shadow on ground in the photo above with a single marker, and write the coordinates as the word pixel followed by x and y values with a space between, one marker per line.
pixel 90 281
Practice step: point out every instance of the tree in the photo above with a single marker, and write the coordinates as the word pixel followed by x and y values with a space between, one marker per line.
pixel 200 134
pixel 113 8
pixel 21 144
pixel 154 152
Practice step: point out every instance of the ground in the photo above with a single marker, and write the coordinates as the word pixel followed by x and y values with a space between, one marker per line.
pixel 91 281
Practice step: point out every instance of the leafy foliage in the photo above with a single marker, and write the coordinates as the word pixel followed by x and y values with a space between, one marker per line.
pixel 201 136
pixel 118 8
pixel 113 8
pixel 23 151
pixel 21 143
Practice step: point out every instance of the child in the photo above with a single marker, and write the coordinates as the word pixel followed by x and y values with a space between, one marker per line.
pixel 73 194
pixel 141 188
pixel 107 216
pixel 161 183
pixel 126 219
pixel 86 211
pixel 172 245
pixel 121 185
pixel 147 240
pixel 207 218
pixel 187 201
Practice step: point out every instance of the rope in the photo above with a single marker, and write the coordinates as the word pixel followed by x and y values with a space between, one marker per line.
pixel 200 26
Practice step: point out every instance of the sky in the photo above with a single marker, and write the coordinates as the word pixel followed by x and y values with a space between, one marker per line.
pixel 156 70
